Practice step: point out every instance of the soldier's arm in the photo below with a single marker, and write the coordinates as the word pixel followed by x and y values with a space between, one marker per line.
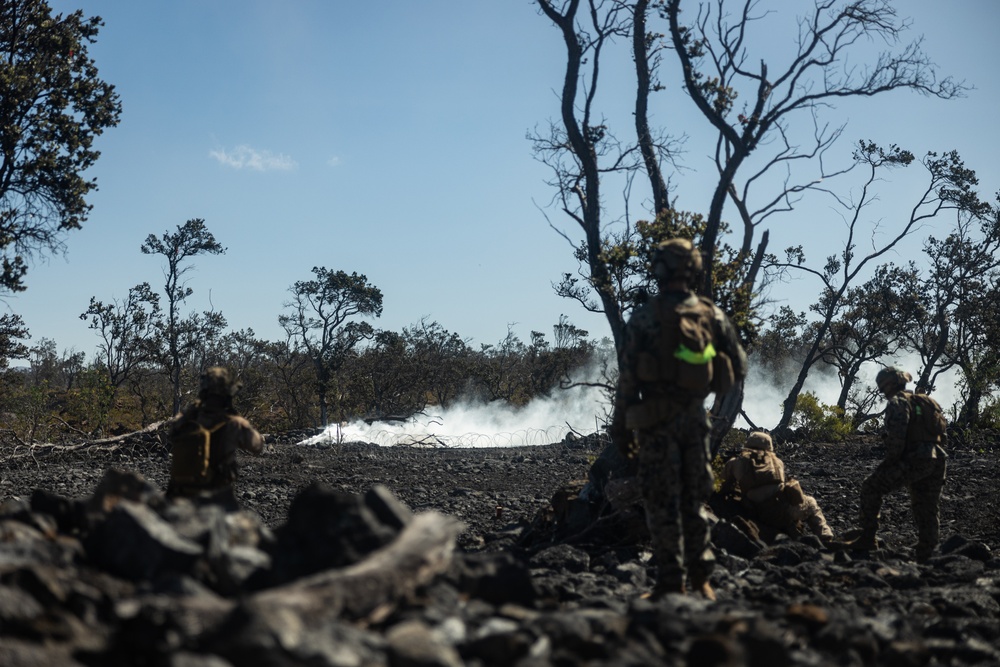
pixel 628 384
pixel 897 418
pixel 249 440
pixel 779 467
pixel 729 342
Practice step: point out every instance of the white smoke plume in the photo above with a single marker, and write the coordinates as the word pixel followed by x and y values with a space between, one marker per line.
pixel 764 395
pixel 581 410
pixel 541 422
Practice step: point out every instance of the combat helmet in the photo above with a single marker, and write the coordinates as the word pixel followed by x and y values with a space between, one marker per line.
pixel 676 259
pixel 890 378
pixel 759 440
pixel 216 383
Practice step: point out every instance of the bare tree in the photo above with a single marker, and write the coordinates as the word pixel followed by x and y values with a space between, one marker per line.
pixel 959 295
pixel 872 323
pixel 949 187
pixel 319 322
pixel 190 240
pixel 129 331
pixel 578 148
pixel 441 358
pixel 53 105
pixel 714 53
pixel 960 267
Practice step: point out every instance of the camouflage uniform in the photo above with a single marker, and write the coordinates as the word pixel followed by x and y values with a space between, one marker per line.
pixel 229 432
pixel 773 500
pixel 920 467
pixel 673 452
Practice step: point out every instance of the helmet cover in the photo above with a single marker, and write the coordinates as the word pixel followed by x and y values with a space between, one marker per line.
pixel 676 259
pixel 215 381
pixel 759 440
pixel 892 378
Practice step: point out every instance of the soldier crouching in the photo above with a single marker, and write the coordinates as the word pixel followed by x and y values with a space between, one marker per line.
pixel 771 499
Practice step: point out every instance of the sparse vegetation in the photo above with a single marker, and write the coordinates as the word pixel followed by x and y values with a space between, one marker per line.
pixel 817 422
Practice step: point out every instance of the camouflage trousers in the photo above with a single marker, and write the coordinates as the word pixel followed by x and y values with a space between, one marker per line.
pixel 788 518
pixel 924 479
pixel 811 515
pixel 676 481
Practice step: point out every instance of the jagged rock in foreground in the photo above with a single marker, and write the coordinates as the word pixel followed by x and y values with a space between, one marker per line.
pixel 360 555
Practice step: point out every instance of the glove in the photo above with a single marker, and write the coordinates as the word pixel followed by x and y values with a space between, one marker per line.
pixel 625 442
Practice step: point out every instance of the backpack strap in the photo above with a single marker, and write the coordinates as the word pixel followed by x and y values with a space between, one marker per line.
pixel 192 465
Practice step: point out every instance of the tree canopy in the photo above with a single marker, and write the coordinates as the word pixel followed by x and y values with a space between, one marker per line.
pixel 52 106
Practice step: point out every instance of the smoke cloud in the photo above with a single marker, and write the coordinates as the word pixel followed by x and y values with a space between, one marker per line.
pixel 541 422
pixel 582 410
pixel 764 395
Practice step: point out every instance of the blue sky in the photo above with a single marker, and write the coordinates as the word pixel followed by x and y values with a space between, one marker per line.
pixel 389 139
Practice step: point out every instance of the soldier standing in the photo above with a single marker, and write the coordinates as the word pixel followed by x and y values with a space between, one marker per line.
pixel 914 458
pixel 204 440
pixel 774 500
pixel 677 349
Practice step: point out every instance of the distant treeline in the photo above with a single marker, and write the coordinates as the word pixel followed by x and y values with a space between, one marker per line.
pixel 60 397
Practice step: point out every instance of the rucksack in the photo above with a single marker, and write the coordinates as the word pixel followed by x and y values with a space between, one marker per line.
pixel 928 423
pixel 191 453
pixel 763 470
pixel 686 356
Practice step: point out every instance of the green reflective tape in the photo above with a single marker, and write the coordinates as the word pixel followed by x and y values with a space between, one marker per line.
pixel 695 358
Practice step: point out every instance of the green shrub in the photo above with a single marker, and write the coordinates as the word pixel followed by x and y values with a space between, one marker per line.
pixel 718 465
pixel 819 422
pixel 989 415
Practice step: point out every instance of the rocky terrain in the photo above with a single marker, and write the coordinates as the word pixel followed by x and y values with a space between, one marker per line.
pixel 356 554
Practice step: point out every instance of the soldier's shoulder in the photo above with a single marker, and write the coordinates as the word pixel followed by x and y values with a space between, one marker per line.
pixel 706 301
pixel 899 402
pixel 182 419
pixel 708 304
pixel 900 398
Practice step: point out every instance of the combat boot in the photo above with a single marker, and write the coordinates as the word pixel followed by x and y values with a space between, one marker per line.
pixel 700 586
pixel 705 590
pixel 866 541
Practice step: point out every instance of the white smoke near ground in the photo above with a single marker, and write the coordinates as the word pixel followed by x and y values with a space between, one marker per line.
pixel 582 410
pixel 544 421
pixel 765 393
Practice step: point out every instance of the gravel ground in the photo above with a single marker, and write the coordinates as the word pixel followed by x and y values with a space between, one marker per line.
pixel 472 484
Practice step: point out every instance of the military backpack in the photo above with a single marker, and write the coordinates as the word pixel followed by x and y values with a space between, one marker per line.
pixel 191 454
pixel 686 356
pixel 928 423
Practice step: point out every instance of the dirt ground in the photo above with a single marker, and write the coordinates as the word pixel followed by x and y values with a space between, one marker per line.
pixel 490 488
pixel 508 595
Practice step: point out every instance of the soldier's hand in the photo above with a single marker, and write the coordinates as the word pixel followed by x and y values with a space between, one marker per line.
pixel 625 442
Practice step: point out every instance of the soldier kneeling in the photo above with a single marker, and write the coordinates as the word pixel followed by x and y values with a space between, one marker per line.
pixel 769 498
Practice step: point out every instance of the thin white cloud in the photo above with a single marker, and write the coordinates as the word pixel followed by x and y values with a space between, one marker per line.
pixel 334 161
pixel 245 157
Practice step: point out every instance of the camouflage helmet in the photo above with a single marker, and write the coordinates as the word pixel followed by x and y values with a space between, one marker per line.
pixel 759 440
pixel 215 381
pixel 676 259
pixel 890 378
